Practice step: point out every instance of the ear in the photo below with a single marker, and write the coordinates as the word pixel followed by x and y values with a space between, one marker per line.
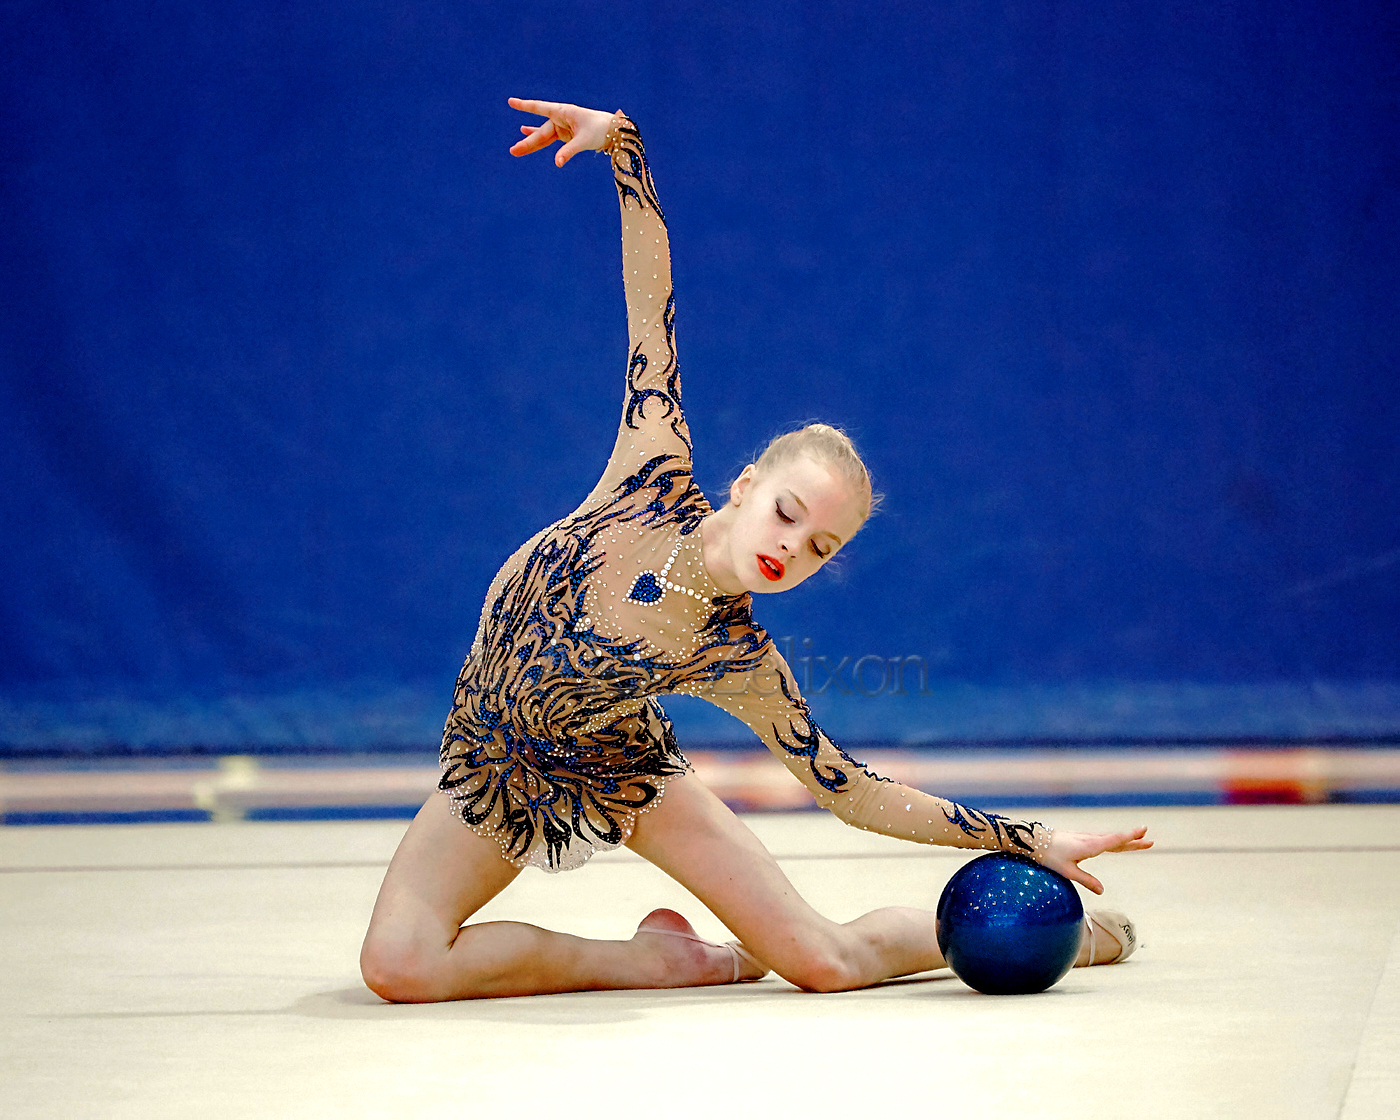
pixel 740 484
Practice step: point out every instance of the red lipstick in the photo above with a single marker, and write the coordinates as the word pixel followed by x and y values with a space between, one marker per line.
pixel 771 569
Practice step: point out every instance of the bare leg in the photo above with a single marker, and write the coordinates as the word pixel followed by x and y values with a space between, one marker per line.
pixel 416 949
pixel 698 841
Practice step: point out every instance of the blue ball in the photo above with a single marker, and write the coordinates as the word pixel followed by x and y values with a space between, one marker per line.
pixel 1008 926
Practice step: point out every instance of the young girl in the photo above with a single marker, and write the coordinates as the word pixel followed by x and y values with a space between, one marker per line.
pixel 556 746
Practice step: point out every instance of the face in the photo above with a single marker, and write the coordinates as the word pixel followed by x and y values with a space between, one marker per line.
pixel 790 520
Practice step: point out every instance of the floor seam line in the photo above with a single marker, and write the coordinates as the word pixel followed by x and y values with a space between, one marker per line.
pixel 1366 1020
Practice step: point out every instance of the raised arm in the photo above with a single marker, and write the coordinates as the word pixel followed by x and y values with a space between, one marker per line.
pixel 652 417
pixel 652 420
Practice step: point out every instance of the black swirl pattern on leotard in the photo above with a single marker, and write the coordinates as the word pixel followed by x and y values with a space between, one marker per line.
pixel 635 187
pixel 556 740
pixel 632 172
pixel 554 732
pixel 670 397
pixel 1010 835
pixel 808 743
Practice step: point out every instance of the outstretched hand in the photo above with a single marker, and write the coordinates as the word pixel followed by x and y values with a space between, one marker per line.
pixel 578 129
pixel 1068 848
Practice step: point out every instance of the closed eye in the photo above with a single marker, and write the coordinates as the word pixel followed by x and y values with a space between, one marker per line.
pixel 810 544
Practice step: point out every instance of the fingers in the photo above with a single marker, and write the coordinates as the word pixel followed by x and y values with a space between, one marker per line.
pixel 539 108
pixel 1071 870
pixel 1086 845
pixel 567 152
pixel 538 137
pixel 1130 841
pixel 577 129
pixel 1118 841
pixel 1125 846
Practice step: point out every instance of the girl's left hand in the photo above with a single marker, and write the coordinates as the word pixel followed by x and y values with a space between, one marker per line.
pixel 578 129
pixel 1068 848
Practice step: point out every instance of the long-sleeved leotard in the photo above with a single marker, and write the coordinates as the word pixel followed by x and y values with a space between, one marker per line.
pixel 556 740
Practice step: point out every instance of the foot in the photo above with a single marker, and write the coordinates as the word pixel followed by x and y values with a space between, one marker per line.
pixel 1112 939
pixel 678 957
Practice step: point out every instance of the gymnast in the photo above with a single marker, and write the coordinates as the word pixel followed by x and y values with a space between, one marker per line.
pixel 556 746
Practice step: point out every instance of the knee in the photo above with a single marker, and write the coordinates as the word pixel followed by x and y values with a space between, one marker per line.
pixel 398 972
pixel 820 968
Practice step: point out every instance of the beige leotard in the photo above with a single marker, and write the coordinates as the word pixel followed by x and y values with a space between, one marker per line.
pixel 556 739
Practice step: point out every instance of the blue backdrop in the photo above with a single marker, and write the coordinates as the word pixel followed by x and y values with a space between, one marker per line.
pixel 293 354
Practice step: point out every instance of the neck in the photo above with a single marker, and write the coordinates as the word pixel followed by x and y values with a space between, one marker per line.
pixel 714 543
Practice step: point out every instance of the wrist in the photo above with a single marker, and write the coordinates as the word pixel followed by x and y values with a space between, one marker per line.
pixel 1041 838
pixel 1030 839
pixel 612 138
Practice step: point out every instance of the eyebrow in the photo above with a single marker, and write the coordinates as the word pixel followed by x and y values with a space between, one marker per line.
pixel 820 532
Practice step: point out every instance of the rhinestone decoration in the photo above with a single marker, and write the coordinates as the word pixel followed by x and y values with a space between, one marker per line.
pixel 557 742
pixel 651 587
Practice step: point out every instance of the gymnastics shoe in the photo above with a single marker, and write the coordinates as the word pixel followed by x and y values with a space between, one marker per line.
pixel 1116 926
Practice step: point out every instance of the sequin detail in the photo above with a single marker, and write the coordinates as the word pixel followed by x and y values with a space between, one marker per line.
pixel 651 587
pixel 557 741
pixel 646 588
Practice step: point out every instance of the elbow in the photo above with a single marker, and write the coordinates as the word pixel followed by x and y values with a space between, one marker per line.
pixel 845 807
pixel 842 811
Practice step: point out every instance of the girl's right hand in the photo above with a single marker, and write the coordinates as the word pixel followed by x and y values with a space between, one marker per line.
pixel 579 129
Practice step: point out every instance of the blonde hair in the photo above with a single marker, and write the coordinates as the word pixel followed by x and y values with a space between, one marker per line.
pixel 832 448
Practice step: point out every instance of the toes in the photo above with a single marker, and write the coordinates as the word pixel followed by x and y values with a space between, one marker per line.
pixel 1114 938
